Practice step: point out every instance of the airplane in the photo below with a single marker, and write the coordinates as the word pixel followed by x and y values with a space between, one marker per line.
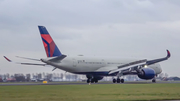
pixel 95 68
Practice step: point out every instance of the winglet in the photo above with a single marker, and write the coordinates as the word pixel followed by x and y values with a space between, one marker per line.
pixel 168 54
pixel 7 59
pixel 159 60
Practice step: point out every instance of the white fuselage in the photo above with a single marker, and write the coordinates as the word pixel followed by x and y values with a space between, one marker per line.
pixel 84 65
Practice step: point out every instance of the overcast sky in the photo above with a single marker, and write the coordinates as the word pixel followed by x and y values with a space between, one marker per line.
pixel 119 28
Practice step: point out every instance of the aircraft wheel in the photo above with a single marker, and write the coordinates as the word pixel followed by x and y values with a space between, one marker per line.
pixel 96 81
pixel 88 80
pixel 92 80
pixel 114 80
pixel 122 80
pixel 154 81
pixel 118 80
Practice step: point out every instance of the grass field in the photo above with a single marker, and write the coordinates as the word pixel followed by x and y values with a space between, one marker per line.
pixel 100 92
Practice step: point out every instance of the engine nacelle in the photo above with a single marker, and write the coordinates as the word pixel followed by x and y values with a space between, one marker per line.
pixel 147 73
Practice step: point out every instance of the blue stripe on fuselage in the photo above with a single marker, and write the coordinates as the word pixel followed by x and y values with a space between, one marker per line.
pixel 106 73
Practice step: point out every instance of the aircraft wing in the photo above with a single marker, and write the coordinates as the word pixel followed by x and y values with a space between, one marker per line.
pixel 130 66
pixel 137 64
pixel 159 60
pixel 24 63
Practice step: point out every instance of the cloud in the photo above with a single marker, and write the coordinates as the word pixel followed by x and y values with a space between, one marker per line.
pixel 120 28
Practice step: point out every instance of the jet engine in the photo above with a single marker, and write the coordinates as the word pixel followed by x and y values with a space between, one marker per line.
pixel 146 73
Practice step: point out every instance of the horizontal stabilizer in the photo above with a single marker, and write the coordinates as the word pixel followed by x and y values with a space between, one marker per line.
pixel 33 64
pixel 58 58
pixel 24 63
pixel 28 58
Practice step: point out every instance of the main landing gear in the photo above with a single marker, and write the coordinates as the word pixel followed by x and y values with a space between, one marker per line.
pixel 154 80
pixel 118 80
pixel 92 80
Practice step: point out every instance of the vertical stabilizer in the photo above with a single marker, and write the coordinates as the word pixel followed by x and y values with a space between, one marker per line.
pixel 49 45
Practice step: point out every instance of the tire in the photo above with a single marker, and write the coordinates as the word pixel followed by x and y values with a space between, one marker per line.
pixel 122 80
pixel 114 80
pixel 96 81
pixel 92 80
pixel 154 81
pixel 88 81
pixel 118 80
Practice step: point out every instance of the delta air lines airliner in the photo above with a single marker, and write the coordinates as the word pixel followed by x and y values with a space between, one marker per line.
pixel 95 68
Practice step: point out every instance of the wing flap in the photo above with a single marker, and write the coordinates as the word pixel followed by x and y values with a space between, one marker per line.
pixel 128 67
pixel 133 63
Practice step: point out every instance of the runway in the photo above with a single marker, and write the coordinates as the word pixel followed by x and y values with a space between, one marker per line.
pixel 82 83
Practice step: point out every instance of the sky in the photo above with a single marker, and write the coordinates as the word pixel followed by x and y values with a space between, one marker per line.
pixel 141 29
